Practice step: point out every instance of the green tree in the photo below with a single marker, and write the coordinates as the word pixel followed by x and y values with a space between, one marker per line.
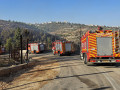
pixel 0 42
pixel 49 42
pixel 8 44
pixel 17 37
pixel 43 37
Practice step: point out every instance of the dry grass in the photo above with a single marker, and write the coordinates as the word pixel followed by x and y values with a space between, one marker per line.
pixel 31 79
pixel 5 61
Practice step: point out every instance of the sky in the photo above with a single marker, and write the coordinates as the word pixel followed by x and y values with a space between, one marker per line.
pixel 97 12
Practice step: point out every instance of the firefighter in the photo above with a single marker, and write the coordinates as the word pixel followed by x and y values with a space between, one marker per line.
pixel 53 49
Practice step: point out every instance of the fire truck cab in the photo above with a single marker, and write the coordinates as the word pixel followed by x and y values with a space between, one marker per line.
pixel 2 50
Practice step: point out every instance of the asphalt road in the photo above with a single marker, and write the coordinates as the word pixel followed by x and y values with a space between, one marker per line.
pixel 74 75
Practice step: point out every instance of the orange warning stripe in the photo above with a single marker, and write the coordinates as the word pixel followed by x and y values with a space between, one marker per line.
pixel 92 55
pixel 92 37
pixel 92 40
pixel 92 44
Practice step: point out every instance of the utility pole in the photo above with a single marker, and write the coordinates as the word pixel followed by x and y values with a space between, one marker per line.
pixel 26 33
pixel 21 48
pixel 27 48
pixel 80 42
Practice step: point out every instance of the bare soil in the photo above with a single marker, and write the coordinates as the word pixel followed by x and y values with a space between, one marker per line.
pixel 5 61
pixel 32 78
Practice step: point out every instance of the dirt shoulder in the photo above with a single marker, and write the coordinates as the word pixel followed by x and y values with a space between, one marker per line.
pixel 32 78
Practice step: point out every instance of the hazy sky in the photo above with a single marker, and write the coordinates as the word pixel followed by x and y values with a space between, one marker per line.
pixel 98 12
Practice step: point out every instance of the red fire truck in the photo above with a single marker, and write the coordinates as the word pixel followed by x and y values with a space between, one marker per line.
pixel 62 47
pixel 101 46
pixel 36 47
pixel 2 50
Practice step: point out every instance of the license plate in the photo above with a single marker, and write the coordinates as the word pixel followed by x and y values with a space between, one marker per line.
pixel 105 61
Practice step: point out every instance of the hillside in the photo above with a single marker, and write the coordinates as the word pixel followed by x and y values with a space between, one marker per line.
pixel 8 28
pixel 46 32
pixel 69 31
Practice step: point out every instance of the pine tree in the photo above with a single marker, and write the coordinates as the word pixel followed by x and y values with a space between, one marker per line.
pixel 49 42
pixel 0 42
pixel 8 44
pixel 17 38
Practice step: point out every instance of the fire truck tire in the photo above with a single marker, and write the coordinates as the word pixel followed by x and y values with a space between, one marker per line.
pixel 117 64
pixel 85 58
pixel 82 55
pixel 69 54
pixel 59 54
pixel 34 51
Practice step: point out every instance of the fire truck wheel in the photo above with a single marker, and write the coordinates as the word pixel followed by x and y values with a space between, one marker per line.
pixel 69 54
pixel 117 64
pixel 85 59
pixel 59 54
